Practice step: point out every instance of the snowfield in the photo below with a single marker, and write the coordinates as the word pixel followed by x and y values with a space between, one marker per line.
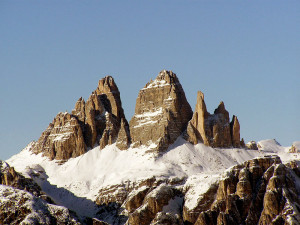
pixel 75 183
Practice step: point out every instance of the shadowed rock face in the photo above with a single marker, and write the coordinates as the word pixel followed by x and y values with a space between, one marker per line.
pixel 22 201
pixel 213 129
pixel 161 113
pixel 9 177
pixel 96 121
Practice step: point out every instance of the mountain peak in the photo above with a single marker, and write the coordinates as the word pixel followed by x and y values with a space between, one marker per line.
pixel 107 85
pixel 161 113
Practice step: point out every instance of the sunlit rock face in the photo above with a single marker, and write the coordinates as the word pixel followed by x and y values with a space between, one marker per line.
pixel 96 121
pixel 62 139
pixel 161 113
pixel 213 129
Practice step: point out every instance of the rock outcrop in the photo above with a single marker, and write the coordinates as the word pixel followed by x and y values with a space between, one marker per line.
pixel 161 113
pixel 9 177
pixel 260 191
pixel 252 145
pixel 22 207
pixel 213 129
pixel 96 121
pixel 62 139
pixel 295 148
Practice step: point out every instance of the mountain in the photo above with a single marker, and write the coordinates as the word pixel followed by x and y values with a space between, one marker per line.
pixel 168 165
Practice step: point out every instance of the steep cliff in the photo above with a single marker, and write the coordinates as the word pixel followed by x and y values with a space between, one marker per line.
pixel 161 113
pixel 213 129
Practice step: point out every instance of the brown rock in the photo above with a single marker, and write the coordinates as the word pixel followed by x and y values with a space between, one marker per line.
pixel 295 148
pixel 109 92
pixel 235 132
pixel 161 113
pixel 22 207
pixel 79 110
pixel 152 204
pixel 190 215
pixel 123 140
pixel 242 143
pixel 136 200
pixel 96 121
pixel 260 191
pixel 109 134
pixel 213 130
pixel 197 130
pixel 62 139
pixel 252 145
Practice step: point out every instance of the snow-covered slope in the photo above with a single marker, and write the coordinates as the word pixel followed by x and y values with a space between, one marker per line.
pixel 76 183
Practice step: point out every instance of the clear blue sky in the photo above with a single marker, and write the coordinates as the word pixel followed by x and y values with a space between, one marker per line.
pixel 245 53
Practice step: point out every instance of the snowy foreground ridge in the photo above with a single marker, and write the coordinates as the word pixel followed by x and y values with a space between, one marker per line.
pixel 76 183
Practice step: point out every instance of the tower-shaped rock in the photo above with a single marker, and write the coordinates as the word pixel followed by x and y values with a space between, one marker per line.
pixel 161 113
pixel 96 121
pixel 196 127
pixel 213 129
pixel 235 132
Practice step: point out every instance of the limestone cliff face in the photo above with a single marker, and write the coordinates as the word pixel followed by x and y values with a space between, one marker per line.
pixel 213 129
pixel 62 139
pixel 94 122
pixel 161 113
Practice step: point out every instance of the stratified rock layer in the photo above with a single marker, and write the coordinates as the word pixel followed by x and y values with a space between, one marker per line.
pixel 161 113
pixel 213 129
pixel 62 139
pixel 96 121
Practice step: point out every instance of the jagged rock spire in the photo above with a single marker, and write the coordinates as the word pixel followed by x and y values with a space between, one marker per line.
pixel 235 132
pixel 96 121
pixel 213 129
pixel 161 113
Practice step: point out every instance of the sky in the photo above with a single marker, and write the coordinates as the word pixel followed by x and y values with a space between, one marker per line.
pixel 245 53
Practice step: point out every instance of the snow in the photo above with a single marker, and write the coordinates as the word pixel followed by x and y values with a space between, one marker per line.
pixel 271 146
pixel 36 207
pixel 156 83
pixel 148 117
pixel 76 182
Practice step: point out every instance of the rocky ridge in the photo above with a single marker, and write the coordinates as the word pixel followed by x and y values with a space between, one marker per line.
pixel 259 191
pixel 213 129
pixel 94 122
pixel 162 114
pixel 23 201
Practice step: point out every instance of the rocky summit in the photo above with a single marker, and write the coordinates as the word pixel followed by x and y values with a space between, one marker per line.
pixel 213 129
pixel 167 166
pixel 161 113
pixel 94 122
